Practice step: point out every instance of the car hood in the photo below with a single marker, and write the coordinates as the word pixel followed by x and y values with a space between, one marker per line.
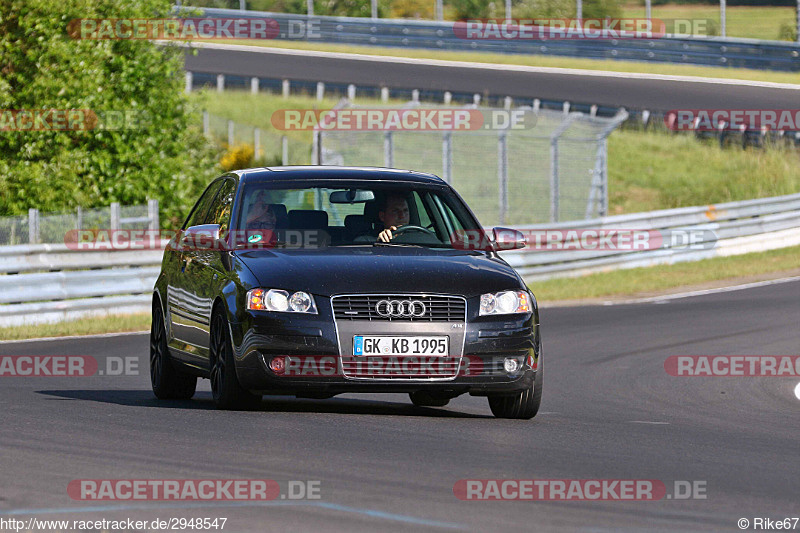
pixel 368 269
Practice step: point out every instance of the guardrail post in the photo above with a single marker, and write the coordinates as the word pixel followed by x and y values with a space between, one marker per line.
pixel 189 80
pixel 384 94
pixel 152 214
pixel 284 150
pixel 231 136
pixel 220 82
pixel 448 97
pixel 593 111
pixel 388 150
pixel 254 83
pixel 507 101
pixel 415 96
pixel 33 226
pixel 565 108
pixel 285 88
pixel 476 99
pixel 206 128
pixel 115 216
pixel 502 173
pixel 320 90
pixel 351 92
pixel 256 143
pixel 536 105
pixel 447 156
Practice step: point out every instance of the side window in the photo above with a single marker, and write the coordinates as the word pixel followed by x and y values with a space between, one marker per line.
pixel 198 214
pixel 220 210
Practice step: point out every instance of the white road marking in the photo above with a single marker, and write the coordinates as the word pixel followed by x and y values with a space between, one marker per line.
pixel 667 297
pixel 493 67
pixel 648 422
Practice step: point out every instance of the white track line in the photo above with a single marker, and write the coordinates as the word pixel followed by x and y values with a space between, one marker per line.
pixel 92 336
pixel 494 67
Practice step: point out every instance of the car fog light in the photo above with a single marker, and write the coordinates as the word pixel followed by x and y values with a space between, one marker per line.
pixel 511 365
pixel 278 364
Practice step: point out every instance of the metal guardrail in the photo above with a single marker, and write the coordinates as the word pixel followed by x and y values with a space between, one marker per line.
pixel 104 282
pixel 713 51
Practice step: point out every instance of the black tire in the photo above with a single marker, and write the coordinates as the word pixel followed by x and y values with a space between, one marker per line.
pixel 168 383
pixel 426 399
pixel 225 388
pixel 523 405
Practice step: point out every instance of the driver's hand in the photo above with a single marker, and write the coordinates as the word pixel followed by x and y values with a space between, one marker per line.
pixel 386 235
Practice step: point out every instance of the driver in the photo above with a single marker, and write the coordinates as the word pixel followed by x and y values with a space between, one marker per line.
pixel 393 214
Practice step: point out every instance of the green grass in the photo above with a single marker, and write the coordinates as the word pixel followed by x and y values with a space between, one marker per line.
pixel 635 281
pixel 544 61
pixel 741 21
pixel 659 170
pixel 81 326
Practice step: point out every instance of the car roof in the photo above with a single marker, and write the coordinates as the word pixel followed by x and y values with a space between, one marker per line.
pixel 320 172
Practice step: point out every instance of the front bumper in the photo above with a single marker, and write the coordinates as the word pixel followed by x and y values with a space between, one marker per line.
pixel 315 347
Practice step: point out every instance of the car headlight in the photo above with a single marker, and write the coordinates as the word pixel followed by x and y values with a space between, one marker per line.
pixel 281 301
pixel 505 303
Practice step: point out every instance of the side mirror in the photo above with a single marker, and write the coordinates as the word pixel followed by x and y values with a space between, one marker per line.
pixel 508 239
pixel 202 237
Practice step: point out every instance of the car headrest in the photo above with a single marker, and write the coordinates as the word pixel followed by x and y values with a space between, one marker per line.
pixel 308 219
pixel 371 210
pixel 357 224
pixel 280 215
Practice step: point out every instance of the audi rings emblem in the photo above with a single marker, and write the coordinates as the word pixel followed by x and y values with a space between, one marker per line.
pixel 400 308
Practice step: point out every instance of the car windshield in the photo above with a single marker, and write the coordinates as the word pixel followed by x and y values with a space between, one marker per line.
pixel 353 215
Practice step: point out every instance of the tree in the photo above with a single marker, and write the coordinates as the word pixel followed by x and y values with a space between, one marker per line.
pixel 145 143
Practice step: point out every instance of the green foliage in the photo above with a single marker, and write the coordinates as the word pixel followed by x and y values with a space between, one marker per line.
pixel 161 154
pixel 566 9
pixel 787 32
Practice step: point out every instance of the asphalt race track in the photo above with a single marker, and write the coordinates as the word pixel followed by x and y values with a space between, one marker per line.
pixel 611 90
pixel 610 411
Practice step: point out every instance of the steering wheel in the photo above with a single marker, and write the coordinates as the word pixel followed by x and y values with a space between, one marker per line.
pixel 411 227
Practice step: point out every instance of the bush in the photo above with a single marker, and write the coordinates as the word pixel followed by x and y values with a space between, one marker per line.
pixel 530 9
pixel 162 156
pixel 787 32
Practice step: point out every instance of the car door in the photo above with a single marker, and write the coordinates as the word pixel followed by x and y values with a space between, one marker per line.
pixel 179 307
pixel 207 271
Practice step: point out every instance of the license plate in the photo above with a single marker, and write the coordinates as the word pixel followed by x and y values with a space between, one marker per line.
pixel 407 345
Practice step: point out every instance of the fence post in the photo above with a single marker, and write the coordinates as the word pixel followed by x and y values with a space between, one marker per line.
pixel 152 214
pixel 206 128
pixel 439 10
pixel 447 156
pixel 351 92
pixel 554 179
pixel 80 218
pixel 384 94
pixel 256 142
pixel 254 83
pixel 507 101
pixel 189 79
pixel 316 148
pixel 502 173
pixel 388 150
pixel 320 90
pixel 285 86
pixel 115 215
pixel 476 99
pixel 220 82
pixel 284 150
pixel 33 226
pixel 415 96
pixel 604 180
pixel 448 97
pixel 231 137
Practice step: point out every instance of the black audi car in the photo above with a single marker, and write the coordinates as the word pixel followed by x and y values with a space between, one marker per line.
pixel 317 281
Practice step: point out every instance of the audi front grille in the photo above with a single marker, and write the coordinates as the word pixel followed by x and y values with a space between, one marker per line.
pixel 400 308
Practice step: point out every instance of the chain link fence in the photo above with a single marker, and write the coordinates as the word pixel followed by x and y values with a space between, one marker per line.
pixel 51 228
pixel 552 172
pixel 267 144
